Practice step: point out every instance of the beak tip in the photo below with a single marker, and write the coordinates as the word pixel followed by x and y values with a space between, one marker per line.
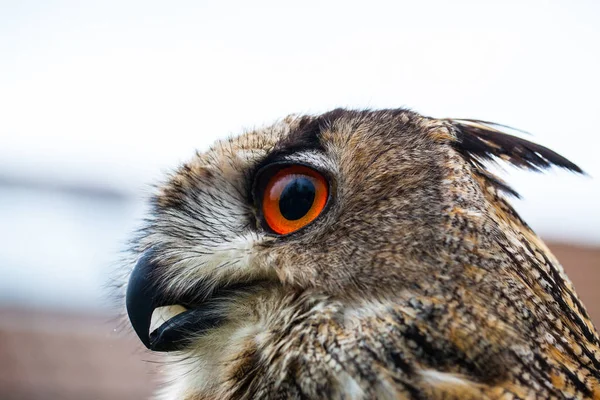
pixel 140 299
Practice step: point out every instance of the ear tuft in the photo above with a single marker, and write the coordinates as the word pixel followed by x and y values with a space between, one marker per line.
pixel 479 141
pixel 484 141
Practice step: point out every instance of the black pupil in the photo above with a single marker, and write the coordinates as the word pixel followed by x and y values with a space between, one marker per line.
pixel 297 198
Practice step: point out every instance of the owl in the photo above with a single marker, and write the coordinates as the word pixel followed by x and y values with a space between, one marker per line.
pixel 357 255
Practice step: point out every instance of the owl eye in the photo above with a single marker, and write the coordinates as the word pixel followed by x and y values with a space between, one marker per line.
pixel 293 197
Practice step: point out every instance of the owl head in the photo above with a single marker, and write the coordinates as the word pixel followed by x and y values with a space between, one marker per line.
pixel 345 207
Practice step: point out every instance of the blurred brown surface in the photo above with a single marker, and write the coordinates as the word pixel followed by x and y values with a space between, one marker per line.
pixel 47 355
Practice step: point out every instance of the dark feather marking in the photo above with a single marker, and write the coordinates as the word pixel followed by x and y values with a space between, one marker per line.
pixel 589 335
pixel 293 379
pixel 443 355
pixel 556 291
pixel 305 137
pixel 541 369
pixel 483 142
pixel 480 141
pixel 398 361
pixel 575 381
pixel 497 182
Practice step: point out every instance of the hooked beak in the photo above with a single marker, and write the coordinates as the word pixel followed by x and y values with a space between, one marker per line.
pixel 144 296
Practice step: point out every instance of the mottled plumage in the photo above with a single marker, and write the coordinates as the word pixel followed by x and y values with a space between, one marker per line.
pixel 417 281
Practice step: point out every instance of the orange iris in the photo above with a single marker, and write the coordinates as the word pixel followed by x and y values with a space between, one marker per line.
pixel 293 198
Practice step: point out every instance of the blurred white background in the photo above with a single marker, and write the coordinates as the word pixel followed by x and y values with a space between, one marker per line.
pixel 98 99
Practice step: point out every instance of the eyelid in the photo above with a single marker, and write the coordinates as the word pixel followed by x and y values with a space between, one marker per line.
pixel 312 159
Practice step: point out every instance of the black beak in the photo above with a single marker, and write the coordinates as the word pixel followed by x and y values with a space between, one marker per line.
pixel 144 296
